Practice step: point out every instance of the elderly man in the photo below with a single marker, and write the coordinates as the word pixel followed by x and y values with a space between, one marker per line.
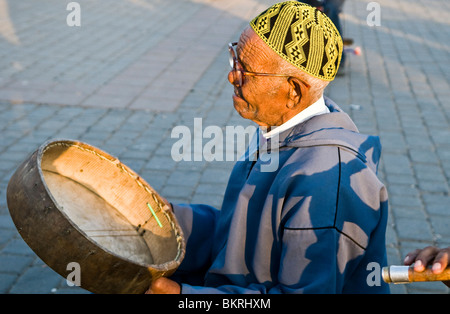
pixel 316 222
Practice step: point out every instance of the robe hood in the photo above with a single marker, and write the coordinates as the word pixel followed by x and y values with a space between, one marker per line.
pixel 334 129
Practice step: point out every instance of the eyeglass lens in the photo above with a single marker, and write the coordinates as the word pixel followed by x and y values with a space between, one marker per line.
pixel 237 73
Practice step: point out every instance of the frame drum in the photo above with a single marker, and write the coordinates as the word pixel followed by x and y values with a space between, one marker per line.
pixel 72 202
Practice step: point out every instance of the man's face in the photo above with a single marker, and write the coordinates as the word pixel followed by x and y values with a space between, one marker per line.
pixel 261 99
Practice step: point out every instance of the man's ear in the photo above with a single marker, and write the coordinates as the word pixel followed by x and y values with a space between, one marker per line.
pixel 298 89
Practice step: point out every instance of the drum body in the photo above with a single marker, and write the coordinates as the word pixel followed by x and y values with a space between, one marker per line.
pixel 72 202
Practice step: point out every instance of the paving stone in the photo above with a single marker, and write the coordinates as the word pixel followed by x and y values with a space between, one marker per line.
pixel 413 229
pixel 15 264
pixel 37 279
pixel 17 247
pixel 6 282
pixel 184 178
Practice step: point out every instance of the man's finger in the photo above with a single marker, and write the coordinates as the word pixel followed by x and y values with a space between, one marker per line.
pixel 440 262
pixel 424 257
pixel 411 257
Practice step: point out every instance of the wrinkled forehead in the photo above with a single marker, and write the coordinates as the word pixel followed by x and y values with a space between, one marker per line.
pixel 254 53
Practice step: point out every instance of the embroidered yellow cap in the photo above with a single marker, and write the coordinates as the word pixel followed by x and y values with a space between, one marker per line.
pixel 302 35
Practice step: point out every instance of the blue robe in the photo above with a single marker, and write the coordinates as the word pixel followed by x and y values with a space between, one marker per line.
pixel 314 224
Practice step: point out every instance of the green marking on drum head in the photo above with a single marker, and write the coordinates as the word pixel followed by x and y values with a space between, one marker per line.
pixel 154 215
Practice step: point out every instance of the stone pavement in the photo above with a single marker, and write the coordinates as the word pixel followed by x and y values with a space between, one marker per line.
pixel 135 69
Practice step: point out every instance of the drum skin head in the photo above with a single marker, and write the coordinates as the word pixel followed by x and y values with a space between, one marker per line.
pixel 72 202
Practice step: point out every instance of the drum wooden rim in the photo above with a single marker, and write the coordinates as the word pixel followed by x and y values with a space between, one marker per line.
pixel 32 205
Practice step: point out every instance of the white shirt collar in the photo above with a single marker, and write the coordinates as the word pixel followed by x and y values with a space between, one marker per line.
pixel 315 109
pixel 260 137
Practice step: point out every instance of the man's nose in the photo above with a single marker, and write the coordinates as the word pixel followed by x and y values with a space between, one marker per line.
pixel 231 77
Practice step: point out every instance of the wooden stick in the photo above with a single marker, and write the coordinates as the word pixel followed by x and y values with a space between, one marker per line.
pixel 428 275
pixel 406 274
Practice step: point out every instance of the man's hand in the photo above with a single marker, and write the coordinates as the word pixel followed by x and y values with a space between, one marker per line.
pixel 164 286
pixel 439 258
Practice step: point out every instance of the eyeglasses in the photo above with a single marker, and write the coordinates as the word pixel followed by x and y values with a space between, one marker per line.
pixel 238 71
